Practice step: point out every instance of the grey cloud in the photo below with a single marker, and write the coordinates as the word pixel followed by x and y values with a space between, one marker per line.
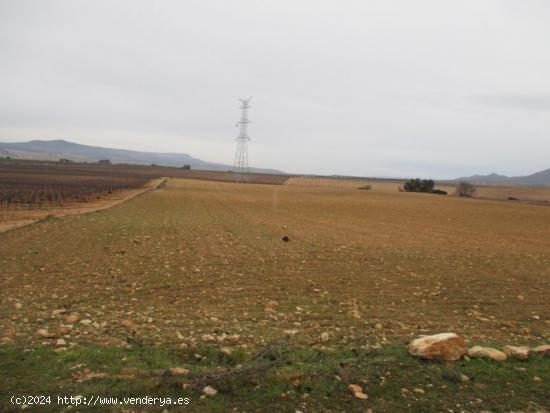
pixel 355 87
pixel 514 101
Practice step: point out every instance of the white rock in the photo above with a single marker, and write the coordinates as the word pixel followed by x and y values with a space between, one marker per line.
pixel 519 353
pixel 444 346
pixel 209 391
pixel 178 371
pixel 543 350
pixel 487 352
pixel 357 392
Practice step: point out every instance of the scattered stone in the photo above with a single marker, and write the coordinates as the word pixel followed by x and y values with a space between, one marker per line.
pixel 234 338
pixel 43 332
pixel 444 346
pixel 60 343
pixel 18 306
pixel 378 326
pixel 127 324
pixel 537 379
pixel 58 311
pixel 290 333
pixel 178 371
pixel 64 330
pixel 464 378
pixel 543 350
pixel 71 318
pixel 361 396
pixel 357 392
pixel 487 352
pixel 226 350
pixel 325 337
pixel 270 306
pixel 419 390
pixel 86 322
pixel 209 391
pixel 285 238
pixel 519 353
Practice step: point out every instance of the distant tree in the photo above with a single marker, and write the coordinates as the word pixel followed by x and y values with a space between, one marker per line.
pixel 419 185
pixel 465 189
pixel 105 161
pixel 186 167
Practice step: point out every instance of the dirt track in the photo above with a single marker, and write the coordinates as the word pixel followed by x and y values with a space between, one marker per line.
pixel 204 261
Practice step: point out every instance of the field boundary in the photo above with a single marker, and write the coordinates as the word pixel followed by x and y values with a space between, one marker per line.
pixel 86 208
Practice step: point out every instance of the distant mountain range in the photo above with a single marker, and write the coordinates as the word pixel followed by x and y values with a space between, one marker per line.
pixel 53 150
pixel 538 178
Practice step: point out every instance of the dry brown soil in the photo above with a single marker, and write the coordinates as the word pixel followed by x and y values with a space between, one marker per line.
pixel 201 261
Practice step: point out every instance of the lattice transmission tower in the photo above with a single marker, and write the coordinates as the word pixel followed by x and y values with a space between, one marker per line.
pixel 240 165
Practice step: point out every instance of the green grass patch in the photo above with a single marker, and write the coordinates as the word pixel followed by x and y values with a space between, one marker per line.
pixel 280 377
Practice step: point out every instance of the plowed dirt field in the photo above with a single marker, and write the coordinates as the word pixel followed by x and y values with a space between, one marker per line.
pixel 204 262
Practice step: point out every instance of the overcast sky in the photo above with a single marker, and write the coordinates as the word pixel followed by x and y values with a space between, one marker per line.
pixel 429 88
